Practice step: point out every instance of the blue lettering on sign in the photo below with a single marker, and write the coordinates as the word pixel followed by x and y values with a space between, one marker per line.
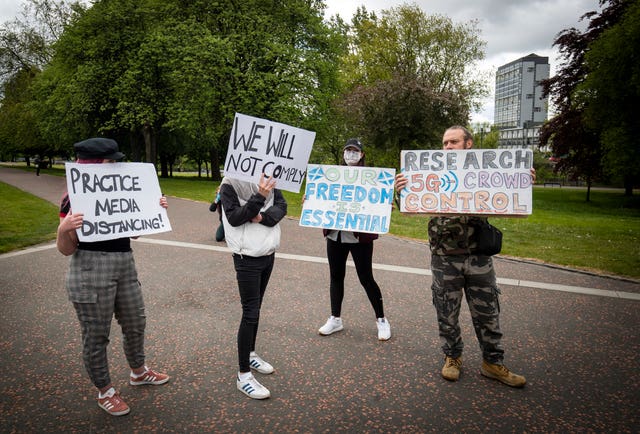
pixel 348 193
pixel 345 221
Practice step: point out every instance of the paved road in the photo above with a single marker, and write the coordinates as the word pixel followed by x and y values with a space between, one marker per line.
pixel 575 336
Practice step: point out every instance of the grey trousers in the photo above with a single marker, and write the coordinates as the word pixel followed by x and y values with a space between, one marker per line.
pixel 101 285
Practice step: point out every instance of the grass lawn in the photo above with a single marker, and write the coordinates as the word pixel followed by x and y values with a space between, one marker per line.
pixel 602 235
pixel 25 220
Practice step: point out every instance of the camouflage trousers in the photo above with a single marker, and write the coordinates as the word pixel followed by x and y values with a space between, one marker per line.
pixel 476 276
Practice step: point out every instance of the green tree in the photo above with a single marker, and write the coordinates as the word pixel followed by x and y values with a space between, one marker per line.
pixel 575 139
pixel 611 91
pixel 26 47
pixel 408 76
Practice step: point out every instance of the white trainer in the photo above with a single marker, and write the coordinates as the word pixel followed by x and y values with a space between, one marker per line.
pixel 332 325
pixel 252 388
pixel 384 329
pixel 256 362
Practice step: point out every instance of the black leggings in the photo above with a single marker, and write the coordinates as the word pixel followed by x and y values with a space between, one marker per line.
pixel 253 276
pixel 362 254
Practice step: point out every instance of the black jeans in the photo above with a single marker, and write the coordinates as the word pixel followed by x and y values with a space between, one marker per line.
pixel 253 276
pixel 362 254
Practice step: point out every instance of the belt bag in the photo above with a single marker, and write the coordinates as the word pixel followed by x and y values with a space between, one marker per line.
pixel 488 239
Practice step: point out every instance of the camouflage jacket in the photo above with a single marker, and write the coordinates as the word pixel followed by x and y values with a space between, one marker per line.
pixel 452 235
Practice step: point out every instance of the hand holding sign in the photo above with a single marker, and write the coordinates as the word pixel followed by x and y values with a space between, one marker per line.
pixel 266 185
pixel 71 222
pixel 116 200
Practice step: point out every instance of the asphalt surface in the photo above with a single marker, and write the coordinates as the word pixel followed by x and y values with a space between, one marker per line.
pixel 575 336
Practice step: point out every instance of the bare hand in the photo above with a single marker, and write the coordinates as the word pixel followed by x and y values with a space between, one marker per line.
pixel 71 222
pixel 266 185
pixel 163 202
pixel 401 182
pixel 533 175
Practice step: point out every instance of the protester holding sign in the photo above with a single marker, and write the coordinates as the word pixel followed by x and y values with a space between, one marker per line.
pixel 103 281
pixel 456 264
pixel 251 214
pixel 339 244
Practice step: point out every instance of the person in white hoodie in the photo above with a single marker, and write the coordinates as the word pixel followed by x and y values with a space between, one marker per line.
pixel 251 214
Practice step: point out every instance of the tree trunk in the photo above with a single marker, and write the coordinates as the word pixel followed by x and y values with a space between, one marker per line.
pixel 135 146
pixel 628 185
pixel 215 164
pixel 164 171
pixel 150 144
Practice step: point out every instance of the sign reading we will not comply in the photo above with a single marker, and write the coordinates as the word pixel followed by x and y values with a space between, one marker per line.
pixel 118 200
pixel 481 182
pixel 350 198
pixel 259 146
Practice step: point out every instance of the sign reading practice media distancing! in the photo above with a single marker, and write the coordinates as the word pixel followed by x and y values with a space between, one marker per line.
pixel 279 150
pixel 481 182
pixel 350 198
pixel 118 200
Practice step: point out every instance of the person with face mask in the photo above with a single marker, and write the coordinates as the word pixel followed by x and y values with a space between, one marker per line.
pixel 360 245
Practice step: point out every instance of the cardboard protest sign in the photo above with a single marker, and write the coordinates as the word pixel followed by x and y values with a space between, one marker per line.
pixel 118 200
pixel 494 182
pixel 258 145
pixel 350 198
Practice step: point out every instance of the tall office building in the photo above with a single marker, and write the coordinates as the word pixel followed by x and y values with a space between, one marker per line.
pixel 519 106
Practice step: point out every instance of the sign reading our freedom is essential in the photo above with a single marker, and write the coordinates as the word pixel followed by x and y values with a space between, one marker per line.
pixel 118 200
pixel 482 182
pixel 350 198
pixel 279 150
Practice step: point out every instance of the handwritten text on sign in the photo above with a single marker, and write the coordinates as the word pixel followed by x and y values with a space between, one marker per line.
pixel 279 150
pixel 118 200
pixel 349 198
pixel 482 182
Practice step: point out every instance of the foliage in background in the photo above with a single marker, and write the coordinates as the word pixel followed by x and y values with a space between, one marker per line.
pixel 165 78
pixel 407 77
pixel 595 96
pixel 614 81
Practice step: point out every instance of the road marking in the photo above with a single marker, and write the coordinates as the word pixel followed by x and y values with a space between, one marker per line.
pixel 384 267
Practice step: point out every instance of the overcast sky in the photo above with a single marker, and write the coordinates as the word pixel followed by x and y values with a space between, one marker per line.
pixel 511 28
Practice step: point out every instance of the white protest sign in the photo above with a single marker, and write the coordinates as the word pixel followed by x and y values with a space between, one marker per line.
pixel 475 181
pixel 258 145
pixel 118 200
pixel 350 198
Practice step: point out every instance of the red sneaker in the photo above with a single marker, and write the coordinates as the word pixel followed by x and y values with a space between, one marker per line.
pixel 113 404
pixel 148 377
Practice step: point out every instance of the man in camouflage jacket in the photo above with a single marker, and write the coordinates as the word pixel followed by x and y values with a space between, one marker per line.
pixel 456 267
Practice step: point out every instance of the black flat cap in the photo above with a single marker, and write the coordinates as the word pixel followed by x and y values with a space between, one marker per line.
pixel 353 143
pixel 98 147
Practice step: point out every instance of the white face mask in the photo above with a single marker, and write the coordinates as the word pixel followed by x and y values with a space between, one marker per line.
pixel 352 157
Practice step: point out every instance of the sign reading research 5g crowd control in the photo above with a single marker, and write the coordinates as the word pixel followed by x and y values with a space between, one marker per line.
pixel 350 198
pixel 118 200
pixel 481 182
pixel 280 151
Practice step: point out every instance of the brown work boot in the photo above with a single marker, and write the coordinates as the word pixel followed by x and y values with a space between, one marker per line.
pixel 451 368
pixel 502 374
